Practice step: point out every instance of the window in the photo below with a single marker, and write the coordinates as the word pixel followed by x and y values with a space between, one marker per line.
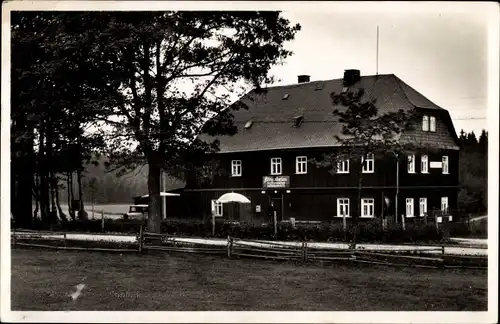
pixel 368 165
pixel 424 164
pixel 367 207
pixel 236 168
pixel 445 165
pixel 275 166
pixel 432 126
pixel 216 208
pixel 409 207
pixel 343 166
pixel 301 165
pixel 423 206
pixel 425 123
pixel 411 163
pixel 342 207
pixel 444 204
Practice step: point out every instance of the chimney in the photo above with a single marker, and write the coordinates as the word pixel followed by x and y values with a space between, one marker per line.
pixel 351 77
pixel 304 78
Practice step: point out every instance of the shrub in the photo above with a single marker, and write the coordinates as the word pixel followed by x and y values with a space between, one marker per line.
pixel 368 230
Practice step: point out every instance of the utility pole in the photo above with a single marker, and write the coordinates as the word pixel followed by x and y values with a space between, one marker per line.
pixel 164 198
pixel 397 188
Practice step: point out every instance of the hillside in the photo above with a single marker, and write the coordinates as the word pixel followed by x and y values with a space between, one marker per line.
pixel 109 188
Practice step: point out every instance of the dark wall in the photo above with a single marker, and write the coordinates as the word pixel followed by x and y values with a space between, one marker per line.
pixel 255 165
pixel 316 204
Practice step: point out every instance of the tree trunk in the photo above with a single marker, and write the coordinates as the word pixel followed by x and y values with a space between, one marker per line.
pixel 50 174
pixel 22 178
pixel 62 215
pixel 53 208
pixel 69 184
pixel 81 212
pixel 356 215
pixel 44 197
pixel 36 194
pixel 154 210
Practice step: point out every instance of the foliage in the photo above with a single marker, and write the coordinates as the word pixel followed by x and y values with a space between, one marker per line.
pixel 173 71
pixel 473 172
pixel 155 78
pixel 368 231
pixel 365 131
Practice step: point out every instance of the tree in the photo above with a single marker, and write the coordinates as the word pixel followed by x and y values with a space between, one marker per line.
pixel 49 87
pixel 171 77
pixel 365 132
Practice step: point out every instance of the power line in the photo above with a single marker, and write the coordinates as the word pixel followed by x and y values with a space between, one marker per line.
pixel 470 118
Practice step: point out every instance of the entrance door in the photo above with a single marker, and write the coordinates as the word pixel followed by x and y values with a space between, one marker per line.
pixel 278 206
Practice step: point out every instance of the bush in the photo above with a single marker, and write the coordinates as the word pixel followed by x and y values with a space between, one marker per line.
pixel 368 231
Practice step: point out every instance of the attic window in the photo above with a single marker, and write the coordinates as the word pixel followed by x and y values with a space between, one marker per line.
pixel 285 97
pixel 297 120
pixel 248 124
pixel 344 89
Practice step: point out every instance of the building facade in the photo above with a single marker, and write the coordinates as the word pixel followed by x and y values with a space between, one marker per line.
pixel 270 159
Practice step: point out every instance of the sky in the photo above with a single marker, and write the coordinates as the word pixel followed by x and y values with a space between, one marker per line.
pixel 442 55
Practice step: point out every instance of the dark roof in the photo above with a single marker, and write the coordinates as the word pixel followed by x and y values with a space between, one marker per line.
pixel 272 116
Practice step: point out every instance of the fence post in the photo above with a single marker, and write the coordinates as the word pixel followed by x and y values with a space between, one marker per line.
pixel 468 222
pixel 229 246
pixel 102 220
pixel 64 239
pixel 403 222
pixel 140 238
pixel 442 256
pixel 275 226
pixel 213 224
pixel 305 251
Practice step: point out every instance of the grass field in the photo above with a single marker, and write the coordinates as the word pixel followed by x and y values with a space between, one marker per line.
pixel 43 280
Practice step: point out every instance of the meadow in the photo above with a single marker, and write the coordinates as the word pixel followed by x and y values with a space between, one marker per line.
pixel 170 282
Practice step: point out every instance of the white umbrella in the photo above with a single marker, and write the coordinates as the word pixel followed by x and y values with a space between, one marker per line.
pixel 233 197
pixel 164 194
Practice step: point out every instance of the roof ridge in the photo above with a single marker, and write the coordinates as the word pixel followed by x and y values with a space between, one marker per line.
pixel 402 90
pixel 317 81
pixel 399 81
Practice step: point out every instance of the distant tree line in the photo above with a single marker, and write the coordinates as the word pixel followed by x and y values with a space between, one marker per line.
pixel 473 172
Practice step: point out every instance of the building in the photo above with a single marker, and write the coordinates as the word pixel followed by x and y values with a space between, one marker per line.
pixel 268 160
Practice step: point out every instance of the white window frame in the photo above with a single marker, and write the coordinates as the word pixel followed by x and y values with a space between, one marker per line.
pixel 368 202
pixel 432 124
pixel 370 167
pixel 410 208
pixel 217 208
pixel 445 164
pixel 444 204
pixel 301 165
pixel 343 202
pixel 422 203
pixel 236 168
pixel 425 123
pixel 424 164
pixel 411 163
pixel 343 166
pixel 276 166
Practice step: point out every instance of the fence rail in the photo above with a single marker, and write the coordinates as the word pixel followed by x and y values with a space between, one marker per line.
pixel 236 248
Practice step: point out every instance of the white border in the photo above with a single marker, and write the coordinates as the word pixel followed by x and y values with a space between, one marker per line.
pixel 487 10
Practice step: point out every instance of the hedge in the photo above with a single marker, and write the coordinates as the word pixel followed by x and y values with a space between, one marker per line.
pixel 368 231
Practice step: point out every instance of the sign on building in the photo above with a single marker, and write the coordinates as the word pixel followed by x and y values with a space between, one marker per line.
pixel 436 165
pixel 274 182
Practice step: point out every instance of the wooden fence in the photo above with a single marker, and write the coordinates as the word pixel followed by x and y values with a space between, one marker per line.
pixel 305 252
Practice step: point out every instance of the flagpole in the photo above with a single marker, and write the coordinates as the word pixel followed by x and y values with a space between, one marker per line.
pixel 377 48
